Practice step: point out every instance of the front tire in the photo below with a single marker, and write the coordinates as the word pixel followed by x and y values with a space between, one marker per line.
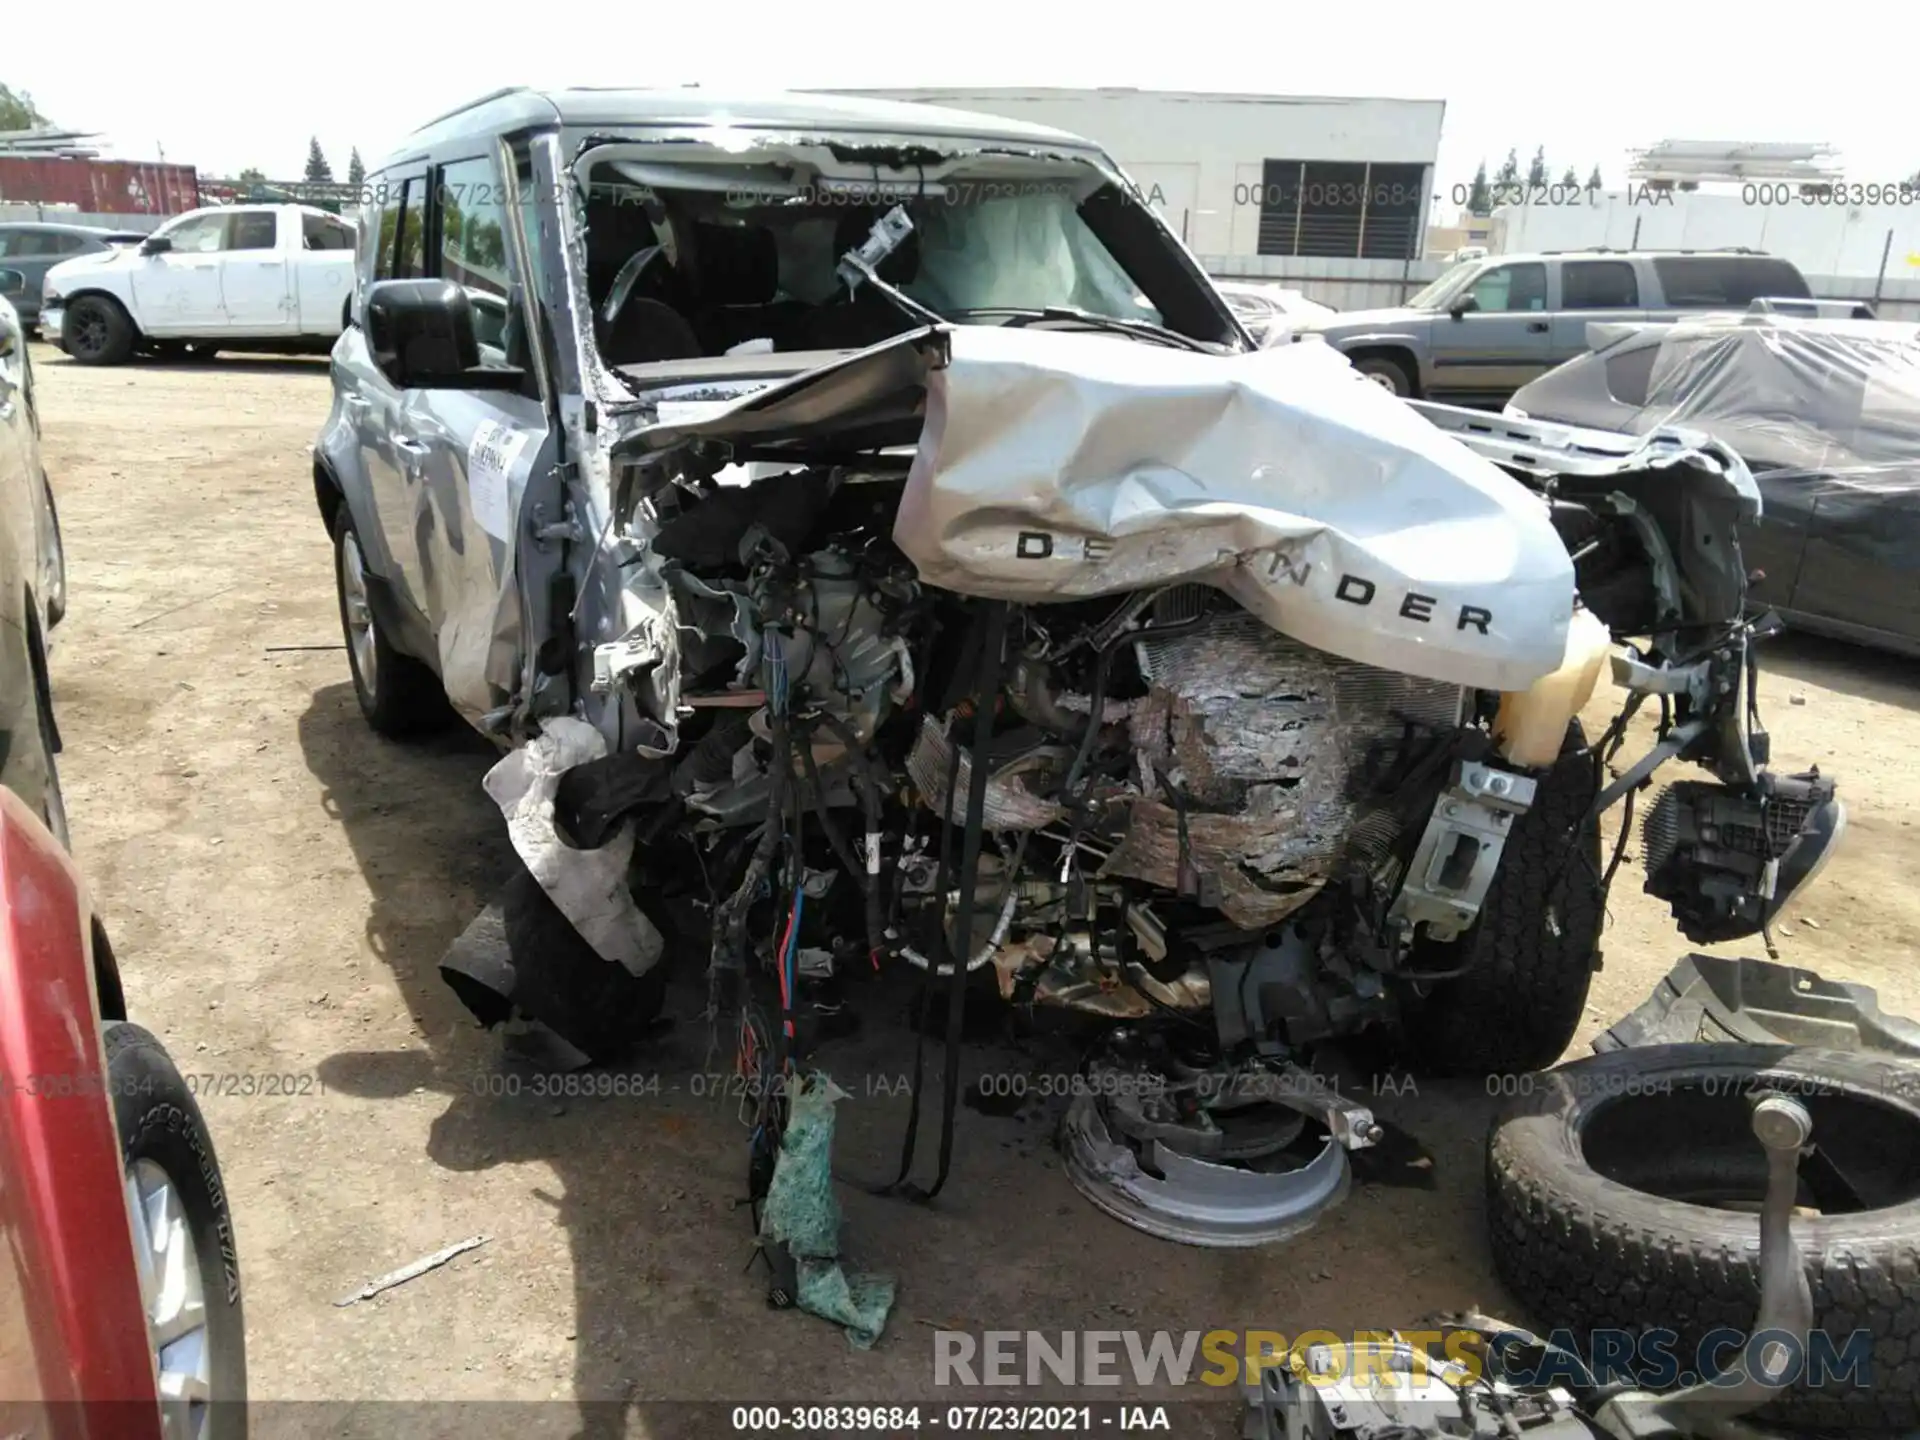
pixel 1530 956
pixel 183 1239
pixel 98 331
pixel 398 694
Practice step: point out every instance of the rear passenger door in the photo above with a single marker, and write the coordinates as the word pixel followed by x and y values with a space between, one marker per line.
pixel 253 274
pixel 1500 343
pixel 479 448
pixel 323 269
pixel 1591 291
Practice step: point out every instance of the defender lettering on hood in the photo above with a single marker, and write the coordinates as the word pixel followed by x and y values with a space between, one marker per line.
pixel 1058 467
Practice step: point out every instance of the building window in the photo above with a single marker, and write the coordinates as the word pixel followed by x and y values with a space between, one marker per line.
pixel 1341 209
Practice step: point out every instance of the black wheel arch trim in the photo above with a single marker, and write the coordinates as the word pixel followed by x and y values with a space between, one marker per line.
pixel 107 987
pixel 67 303
pixel 404 627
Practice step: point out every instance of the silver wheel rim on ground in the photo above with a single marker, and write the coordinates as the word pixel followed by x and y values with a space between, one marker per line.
pixel 358 613
pixel 174 1298
pixel 1385 382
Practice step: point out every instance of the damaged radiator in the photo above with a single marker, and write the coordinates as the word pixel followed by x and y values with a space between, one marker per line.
pixel 1246 751
pixel 1249 742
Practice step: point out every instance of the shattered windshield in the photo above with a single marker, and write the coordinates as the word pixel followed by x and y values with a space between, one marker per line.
pixel 694 252
pixel 1437 295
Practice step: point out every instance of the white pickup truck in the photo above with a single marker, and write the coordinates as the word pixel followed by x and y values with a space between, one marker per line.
pixel 234 277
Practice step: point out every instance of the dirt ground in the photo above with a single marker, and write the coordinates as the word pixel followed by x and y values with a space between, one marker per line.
pixel 280 884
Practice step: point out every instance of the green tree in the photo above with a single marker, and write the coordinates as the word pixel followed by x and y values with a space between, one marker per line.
pixel 356 172
pixel 1537 169
pixel 319 172
pixel 252 175
pixel 1594 182
pixel 1479 198
pixel 1570 179
pixel 1508 175
pixel 18 112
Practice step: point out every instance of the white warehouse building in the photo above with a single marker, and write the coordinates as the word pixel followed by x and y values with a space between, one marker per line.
pixel 1320 190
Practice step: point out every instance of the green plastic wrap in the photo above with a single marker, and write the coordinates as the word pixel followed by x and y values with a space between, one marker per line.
pixel 803 1213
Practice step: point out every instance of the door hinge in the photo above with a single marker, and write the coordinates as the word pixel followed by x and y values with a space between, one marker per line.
pixel 546 531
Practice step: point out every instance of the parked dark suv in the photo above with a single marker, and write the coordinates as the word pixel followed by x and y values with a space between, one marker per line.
pixel 1488 326
pixel 34 247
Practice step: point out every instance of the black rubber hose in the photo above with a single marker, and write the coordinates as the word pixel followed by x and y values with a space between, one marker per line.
pixel 987 694
pixel 943 873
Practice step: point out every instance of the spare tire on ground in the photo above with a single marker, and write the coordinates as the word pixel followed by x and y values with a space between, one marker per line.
pixel 1623 1193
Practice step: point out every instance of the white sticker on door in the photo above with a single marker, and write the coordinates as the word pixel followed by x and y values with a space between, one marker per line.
pixel 490 460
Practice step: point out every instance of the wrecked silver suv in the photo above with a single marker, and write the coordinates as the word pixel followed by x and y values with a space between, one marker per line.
pixel 878 545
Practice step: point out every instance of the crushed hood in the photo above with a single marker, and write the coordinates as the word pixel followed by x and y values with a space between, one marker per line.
pixel 1053 466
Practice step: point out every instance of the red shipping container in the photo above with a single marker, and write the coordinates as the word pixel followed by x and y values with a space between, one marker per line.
pixel 99 187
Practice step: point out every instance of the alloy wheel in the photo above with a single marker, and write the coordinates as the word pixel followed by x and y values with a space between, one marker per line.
pixel 174 1297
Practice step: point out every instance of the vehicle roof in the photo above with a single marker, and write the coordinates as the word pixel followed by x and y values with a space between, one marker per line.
pixel 263 205
pixel 1892 332
pixel 523 108
pixel 1601 252
pixel 55 227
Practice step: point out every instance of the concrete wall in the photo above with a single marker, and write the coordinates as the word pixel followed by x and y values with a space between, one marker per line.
pixel 1201 154
pixel 56 215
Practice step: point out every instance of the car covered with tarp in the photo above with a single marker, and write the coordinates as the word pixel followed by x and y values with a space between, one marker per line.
pixel 1826 414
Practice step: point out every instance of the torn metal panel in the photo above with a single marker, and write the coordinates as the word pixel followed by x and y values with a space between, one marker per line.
pixel 588 886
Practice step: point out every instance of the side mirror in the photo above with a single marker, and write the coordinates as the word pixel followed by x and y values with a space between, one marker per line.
pixel 1462 306
pixel 156 245
pixel 12 283
pixel 421 336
